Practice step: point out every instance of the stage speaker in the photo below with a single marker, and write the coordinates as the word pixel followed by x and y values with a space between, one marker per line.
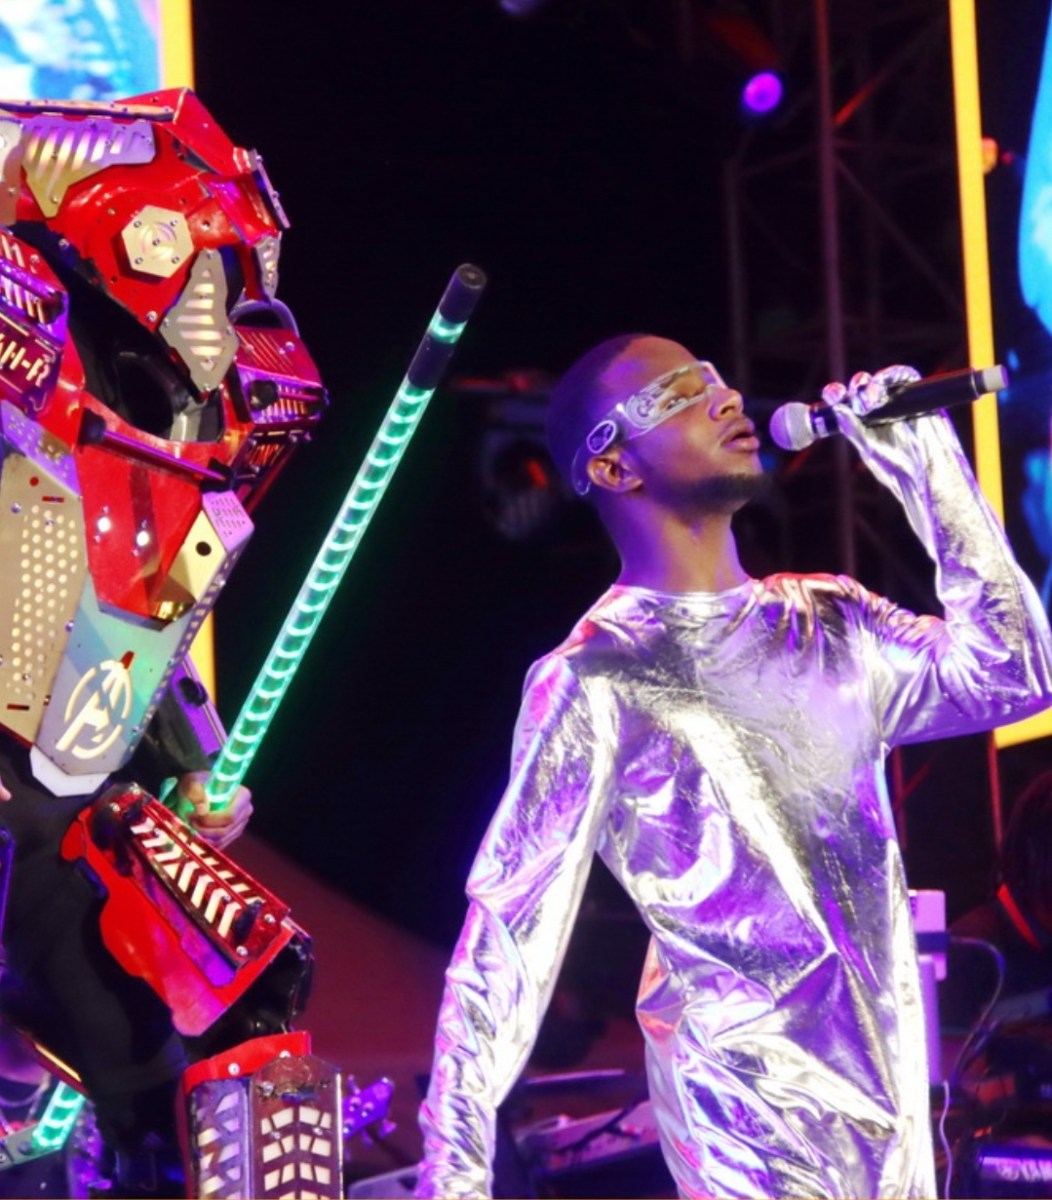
pixel 615 1153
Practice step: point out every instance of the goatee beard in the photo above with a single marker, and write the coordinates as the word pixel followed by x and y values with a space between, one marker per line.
pixel 723 495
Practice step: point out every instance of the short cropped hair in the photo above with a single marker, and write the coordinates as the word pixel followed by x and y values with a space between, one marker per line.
pixel 579 400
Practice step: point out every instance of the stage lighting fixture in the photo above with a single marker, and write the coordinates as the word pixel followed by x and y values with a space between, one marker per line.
pixel 728 36
pixel 522 8
pixel 520 488
pixel 521 491
pixel 762 93
pixel 991 154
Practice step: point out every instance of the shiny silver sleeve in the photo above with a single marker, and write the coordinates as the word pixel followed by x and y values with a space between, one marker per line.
pixel 989 660
pixel 524 891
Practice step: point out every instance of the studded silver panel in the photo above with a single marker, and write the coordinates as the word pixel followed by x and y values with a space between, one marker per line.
pixel 219 530
pixel 276 1133
pixel 232 524
pixel 219 1139
pixel 100 707
pixel 232 527
pixel 42 521
pixel 298 1132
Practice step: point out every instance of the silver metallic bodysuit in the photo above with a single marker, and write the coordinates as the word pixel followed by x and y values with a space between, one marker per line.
pixel 723 753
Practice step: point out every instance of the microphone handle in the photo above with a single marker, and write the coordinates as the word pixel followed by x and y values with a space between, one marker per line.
pixel 937 392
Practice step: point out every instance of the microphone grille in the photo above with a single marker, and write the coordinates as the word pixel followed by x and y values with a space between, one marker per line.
pixel 791 426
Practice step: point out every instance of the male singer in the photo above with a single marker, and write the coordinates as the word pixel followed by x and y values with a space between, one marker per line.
pixel 719 741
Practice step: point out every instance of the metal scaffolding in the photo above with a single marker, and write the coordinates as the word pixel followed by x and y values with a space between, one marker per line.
pixel 842 221
pixel 844 254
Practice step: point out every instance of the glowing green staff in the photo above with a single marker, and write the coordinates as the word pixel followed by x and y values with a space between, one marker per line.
pixel 388 446
pixel 398 426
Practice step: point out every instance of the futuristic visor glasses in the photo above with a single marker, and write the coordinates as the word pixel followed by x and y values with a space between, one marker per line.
pixel 644 410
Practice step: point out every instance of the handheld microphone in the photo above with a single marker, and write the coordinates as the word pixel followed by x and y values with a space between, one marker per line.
pixel 795 426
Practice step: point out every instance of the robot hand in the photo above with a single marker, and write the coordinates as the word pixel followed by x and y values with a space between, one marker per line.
pixel 217 828
pixel 865 393
pixel 893 452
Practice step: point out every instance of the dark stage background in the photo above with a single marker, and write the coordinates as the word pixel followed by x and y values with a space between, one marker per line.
pixel 406 137
pixel 574 159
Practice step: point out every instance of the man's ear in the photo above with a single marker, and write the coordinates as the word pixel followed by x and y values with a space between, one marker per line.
pixel 611 472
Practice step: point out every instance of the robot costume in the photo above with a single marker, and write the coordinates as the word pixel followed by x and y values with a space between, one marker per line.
pixel 723 754
pixel 151 387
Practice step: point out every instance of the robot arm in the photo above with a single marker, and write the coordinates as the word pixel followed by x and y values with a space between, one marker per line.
pixel 176 755
pixel 185 734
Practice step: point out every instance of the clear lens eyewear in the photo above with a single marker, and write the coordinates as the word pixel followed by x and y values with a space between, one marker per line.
pixel 641 412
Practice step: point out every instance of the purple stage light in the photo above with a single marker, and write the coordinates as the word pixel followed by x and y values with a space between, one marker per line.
pixel 762 93
pixel 522 8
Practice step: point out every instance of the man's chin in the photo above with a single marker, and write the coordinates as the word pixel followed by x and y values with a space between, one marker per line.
pixel 727 493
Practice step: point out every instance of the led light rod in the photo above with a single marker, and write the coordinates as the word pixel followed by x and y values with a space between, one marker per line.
pixel 388 446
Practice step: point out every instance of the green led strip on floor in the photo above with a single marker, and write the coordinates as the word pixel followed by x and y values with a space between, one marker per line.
pixel 332 560
pixel 58 1119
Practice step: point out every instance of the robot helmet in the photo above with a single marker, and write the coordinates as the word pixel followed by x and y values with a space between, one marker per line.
pixel 151 387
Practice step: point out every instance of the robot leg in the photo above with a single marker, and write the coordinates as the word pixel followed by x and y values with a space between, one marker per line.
pixel 263 1120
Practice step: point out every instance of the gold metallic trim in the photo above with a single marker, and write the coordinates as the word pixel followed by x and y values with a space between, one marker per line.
pixel 197 328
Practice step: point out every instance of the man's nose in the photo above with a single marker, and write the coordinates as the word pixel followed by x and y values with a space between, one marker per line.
pixel 726 402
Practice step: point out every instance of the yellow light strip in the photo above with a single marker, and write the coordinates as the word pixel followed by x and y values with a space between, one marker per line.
pixel 1038 726
pixel 177 70
pixel 177 44
pixel 971 183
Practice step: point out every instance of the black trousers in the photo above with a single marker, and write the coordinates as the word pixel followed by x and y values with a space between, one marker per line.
pixel 63 987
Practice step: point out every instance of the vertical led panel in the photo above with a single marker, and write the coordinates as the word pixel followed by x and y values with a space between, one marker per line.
pixel 1003 105
pixel 177 44
pixel 69 50
pixel 972 188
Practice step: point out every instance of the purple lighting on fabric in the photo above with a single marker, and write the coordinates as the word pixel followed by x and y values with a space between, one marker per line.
pixel 762 93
